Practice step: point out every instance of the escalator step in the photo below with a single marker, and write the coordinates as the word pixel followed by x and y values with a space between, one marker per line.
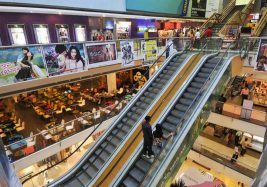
pixel 146 100
pixel 172 119
pixel 206 70
pixel 150 95
pixel 185 101
pixel 177 113
pixel 137 174
pixel 143 165
pixel 181 107
pixel 167 124
pixel 91 171
pixel 163 81
pixel 188 95
pixel 130 123
pixel 198 79
pixel 114 140
pixel 170 129
pixel 196 85
pixel 213 61
pixel 153 90
pixel 203 75
pixel 73 182
pixel 104 155
pixel 130 182
pixel 211 65
pixel 192 90
pixel 83 177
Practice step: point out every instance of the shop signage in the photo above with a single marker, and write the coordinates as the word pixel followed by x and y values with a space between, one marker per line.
pixel 185 7
pixel 198 8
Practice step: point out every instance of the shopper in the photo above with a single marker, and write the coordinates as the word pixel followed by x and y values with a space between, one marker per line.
pixel 148 138
pixel 159 136
pixel 208 32
pixel 197 39
pixel 237 137
pixel 249 80
pixel 235 155
pixel 244 93
pixel 244 144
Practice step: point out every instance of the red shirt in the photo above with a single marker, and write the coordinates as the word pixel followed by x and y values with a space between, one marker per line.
pixel 208 33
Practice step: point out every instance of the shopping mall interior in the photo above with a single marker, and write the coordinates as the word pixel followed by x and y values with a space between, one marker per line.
pixel 133 93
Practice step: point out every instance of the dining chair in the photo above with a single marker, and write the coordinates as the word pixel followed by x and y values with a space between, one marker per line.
pixel 18 129
pixel 18 124
pixel 97 115
pixel 82 103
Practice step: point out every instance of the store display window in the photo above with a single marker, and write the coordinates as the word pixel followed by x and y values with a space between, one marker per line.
pixel 41 33
pixel 123 30
pixel 17 34
pixel 80 33
pixel 62 33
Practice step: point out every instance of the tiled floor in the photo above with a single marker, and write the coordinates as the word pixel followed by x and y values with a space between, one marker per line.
pixel 54 172
pixel 229 182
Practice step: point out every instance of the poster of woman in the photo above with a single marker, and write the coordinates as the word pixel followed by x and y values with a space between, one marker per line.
pixel 63 59
pixel 21 64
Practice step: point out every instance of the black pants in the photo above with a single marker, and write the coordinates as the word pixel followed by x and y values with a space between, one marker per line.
pixel 147 148
pixel 243 151
pixel 234 157
pixel 243 98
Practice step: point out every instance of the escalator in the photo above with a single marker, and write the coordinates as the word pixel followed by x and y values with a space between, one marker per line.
pixel 113 139
pixel 173 120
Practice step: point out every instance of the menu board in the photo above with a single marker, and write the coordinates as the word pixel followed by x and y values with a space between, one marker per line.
pixel 17 34
pixel 80 33
pixel 63 33
pixel 41 34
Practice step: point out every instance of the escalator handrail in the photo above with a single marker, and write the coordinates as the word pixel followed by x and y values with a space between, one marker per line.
pixel 200 52
pixel 163 100
pixel 188 111
pixel 97 126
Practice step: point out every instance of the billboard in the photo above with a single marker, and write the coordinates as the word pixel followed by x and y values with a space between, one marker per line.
pixel 102 54
pixel 21 64
pixel 64 58
pixel 198 8
pixel 127 50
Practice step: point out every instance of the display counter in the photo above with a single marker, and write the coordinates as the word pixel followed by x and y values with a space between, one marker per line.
pixel 259 93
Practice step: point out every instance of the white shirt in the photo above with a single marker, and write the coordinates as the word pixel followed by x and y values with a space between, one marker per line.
pixel 198 35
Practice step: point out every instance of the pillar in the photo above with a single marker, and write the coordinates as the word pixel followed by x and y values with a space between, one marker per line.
pixel 111 80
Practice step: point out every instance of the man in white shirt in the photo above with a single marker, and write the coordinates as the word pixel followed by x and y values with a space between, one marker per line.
pixel 197 39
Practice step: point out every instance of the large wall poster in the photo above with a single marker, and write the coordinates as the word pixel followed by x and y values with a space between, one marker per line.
pixel 198 8
pixel 149 50
pixel 127 53
pixel 63 59
pixel 21 64
pixel 102 54
pixel 261 64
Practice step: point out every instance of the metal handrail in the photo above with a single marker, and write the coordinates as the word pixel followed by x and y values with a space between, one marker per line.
pixel 187 112
pixel 132 89
pixel 221 155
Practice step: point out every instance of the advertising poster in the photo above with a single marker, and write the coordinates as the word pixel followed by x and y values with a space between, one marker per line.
pixel 41 34
pixel 80 33
pixel 170 47
pixel 21 64
pixel 198 8
pixel 17 34
pixel 261 64
pixel 62 33
pixel 127 50
pixel 102 53
pixel 151 50
pixel 63 59
pixel 213 7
